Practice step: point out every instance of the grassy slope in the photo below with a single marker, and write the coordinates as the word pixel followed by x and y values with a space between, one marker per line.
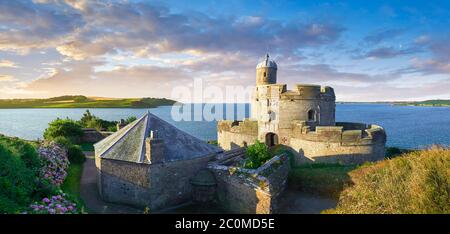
pixel 84 102
pixel 416 182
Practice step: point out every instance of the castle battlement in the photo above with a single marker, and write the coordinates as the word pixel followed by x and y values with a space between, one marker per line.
pixel 300 91
pixel 304 119
pixel 245 126
pixel 344 133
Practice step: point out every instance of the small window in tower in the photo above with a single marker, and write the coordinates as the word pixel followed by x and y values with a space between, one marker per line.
pixel 311 115
pixel 264 74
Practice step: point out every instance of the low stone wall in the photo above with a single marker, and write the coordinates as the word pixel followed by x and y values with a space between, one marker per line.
pixel 346 143
pixel 235 134
pixel 246 191
pixel 91 135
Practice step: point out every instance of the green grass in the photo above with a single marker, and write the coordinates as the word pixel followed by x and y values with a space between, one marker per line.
pixel 85 102
pixel 72 183
pixel 87 146
pixel 324 179
pixel 414 183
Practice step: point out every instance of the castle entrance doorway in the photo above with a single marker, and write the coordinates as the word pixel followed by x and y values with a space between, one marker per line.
pixel 271 139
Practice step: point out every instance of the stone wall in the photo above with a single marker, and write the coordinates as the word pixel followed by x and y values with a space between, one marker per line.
pixel 123 182
pixel 247 191
pixel 235 134
pixel 347 144
pixel 156 186
pixel 91 135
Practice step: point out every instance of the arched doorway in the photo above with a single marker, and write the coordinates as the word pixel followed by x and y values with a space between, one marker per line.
pixel 271 139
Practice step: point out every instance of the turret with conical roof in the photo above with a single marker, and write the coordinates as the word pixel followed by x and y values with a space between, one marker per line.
pixel 266 72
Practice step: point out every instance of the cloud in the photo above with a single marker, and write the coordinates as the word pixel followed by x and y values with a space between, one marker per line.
pixel 388 52
pixel 28 26
pixel 4 78
pixel 138 81
pixel 439 62
pixel 7 63
pixel 140 26
pixel 382 35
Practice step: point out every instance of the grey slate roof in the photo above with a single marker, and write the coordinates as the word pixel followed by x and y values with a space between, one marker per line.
pixel 128 144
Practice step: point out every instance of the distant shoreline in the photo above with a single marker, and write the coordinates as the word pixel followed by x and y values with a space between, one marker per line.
pixel 79 101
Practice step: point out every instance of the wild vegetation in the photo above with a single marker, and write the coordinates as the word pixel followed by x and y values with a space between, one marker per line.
pixel 91 121
pixel 79 101
pixel 30 174
pixel 415 182
pixel 256 155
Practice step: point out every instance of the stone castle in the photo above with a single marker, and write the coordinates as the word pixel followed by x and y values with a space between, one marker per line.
pixel 304 120
pixel 150 163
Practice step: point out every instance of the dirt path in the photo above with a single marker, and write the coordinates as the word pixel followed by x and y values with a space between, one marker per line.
pixel 91 197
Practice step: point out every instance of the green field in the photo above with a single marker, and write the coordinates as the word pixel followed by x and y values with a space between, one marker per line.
pixel 85 102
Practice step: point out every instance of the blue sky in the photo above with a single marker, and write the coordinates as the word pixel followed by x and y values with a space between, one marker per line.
pixel 366 50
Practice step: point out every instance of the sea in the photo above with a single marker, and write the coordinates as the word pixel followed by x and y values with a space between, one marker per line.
pixel 410 127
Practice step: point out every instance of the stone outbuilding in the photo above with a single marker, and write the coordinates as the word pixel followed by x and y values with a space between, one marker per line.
pixel 150 163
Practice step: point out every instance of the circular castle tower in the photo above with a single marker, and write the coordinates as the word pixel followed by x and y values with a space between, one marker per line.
pixel 302 119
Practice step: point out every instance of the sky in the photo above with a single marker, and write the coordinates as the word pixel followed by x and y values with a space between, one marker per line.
pixel 366 50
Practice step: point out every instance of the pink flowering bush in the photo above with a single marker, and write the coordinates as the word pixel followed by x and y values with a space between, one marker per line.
pixel 58 204
pixel 54 163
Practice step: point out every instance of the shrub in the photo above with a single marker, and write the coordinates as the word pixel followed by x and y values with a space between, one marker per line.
pixel 75 154
pixel 26 151
pixel 416 182
pixel 54 163
pixel 16 182
pixel 62 141
pixel 256 155
pixel 64 128
pixel 58 204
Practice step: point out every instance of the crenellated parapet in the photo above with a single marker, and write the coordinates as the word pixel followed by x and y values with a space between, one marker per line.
pixel 246 126
pixel 312 92
pixel 343 133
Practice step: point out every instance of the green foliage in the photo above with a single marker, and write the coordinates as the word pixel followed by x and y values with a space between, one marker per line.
pixel 72 183
pixel 416 182
pixel 23 149
pixel 392 152
pixel 256 155
pixel 65 128
pixel 17 182
pixel 62 141
pixel 87 146
pixel 130 119
pixel 75 154
pixel 212 142
pixel 91 121
pixel 152 102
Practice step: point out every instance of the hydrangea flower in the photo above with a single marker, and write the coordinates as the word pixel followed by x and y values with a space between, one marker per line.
pixel 54 163
pixel 59 204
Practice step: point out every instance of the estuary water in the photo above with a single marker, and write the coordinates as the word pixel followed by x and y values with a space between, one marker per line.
pixel 406 126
